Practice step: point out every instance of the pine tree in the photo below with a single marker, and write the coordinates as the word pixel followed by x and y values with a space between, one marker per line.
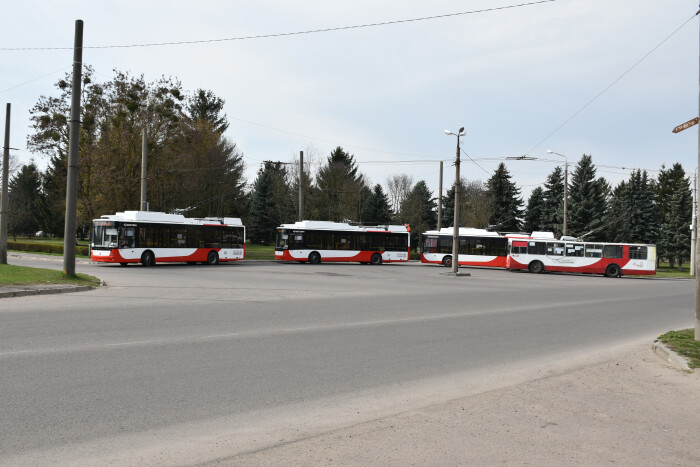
pixel 553 210
pixel 535 214
pixel 587 203
pixel 418 211
pixel 675 210
pixel 25 201
pixel 640 223
pixel 376 209
pixel 506 202
pixel 270 203
pixel 338 194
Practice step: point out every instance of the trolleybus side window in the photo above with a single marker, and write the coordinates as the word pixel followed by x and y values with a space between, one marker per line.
pixel 519 248
pixel 612 251
pixel 430 245
pixel 536 248
pixel 573 249
pixel 638 252
pixel 400 242
pixel 376 242
pixel 555 249
pixel 593 250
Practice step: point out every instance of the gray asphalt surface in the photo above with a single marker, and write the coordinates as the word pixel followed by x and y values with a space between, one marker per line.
pixel 195 356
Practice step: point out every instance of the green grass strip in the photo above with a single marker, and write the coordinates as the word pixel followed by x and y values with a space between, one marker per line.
pixel 11 275
pixel 683 343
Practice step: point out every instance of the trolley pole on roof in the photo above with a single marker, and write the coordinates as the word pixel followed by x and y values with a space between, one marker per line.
pixel 73 143
pixel 4 202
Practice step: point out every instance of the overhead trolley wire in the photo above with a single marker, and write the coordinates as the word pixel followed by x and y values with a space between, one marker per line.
pixel 285 34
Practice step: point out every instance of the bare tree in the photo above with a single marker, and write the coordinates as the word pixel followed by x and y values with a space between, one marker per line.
pixel 399 186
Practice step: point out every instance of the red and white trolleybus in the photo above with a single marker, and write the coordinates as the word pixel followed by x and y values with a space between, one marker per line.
pixel 320 241
pixel 150 237
pixel 477 247
pixel 568 255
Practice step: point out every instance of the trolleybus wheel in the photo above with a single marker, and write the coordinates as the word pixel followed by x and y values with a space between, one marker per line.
pixel 148 258
pixel 613 270
pixel 376 259
pixel 212 258
pixel 536 267
pixel 315 258
pixel 447 261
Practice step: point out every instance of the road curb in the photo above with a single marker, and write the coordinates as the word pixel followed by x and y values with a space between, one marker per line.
pixel 670 356
pixel 24 291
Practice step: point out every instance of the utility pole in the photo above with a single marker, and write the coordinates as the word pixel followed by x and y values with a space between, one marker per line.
pixel 455 232
pixel 144 168
pixel 697 276
pixel 73 143
pixel 694 225
pixel 566 192
pixel 301 186
pixel 4 201
pixel 440 201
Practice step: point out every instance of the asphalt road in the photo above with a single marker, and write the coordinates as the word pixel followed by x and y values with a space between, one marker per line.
pixel 169 364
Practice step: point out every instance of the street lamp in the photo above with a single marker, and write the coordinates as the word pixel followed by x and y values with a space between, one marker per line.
pixel 566 184
pixel 455 234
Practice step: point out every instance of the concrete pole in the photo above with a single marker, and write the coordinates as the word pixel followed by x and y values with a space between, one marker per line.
pixel 697 276
pixel 455 233
pixel 301 186
pixel 4 201
pixel 144 168
pixel 440 201
pixel 694 226
pixel 566 191
pixel 73 144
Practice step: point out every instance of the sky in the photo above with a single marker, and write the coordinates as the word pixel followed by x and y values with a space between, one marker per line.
pixel 609 78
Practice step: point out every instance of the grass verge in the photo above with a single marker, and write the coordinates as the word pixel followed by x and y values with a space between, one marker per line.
pixel 684 344
pixel 11 275
pixel 254 251
pixel 665 271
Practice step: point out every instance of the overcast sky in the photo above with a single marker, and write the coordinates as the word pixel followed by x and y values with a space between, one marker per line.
pixel 511 76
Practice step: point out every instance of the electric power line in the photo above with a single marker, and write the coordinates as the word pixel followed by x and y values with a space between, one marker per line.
pixel 284 34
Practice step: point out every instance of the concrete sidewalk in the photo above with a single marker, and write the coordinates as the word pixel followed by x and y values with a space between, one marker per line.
pixel 630 409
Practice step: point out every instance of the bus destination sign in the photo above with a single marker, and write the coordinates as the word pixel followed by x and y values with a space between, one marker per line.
pixel 686 125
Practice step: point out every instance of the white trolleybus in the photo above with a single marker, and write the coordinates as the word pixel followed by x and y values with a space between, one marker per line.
pixel 318 241
pixel 569 255
pixel 477 247
pixel 150 237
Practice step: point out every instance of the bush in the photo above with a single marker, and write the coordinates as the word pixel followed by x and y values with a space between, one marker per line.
pixel 37 247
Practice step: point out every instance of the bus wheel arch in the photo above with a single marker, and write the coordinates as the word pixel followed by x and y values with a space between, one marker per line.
pixel 536 267
pixel 613 270
pixel 148 258
pixel 213 258
pixel 447 261
pixel 315 257
pixel 376 259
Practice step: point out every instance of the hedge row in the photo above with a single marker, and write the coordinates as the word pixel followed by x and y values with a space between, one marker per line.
pixel 44 248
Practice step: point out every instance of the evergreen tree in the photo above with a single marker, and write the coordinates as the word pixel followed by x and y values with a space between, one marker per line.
pixel 475 205
pixel 535 213
pixel 615 216
pixel 506 202
pixel 25 201
pixel 418 211
pixel 587 203
pixel 270 203
pixel 376 208
pixel 640 223
pixel 553 206
pixel 206 106
pixel 675 234
pixel 338 194
pixel 675 210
